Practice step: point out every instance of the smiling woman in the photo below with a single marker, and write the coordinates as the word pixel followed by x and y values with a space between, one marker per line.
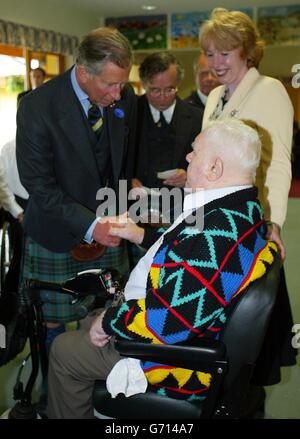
pixel 234 50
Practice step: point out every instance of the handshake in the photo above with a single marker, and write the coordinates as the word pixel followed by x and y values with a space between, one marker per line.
pixel 109 231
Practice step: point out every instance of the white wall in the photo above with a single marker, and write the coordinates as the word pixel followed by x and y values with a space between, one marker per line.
pixel 49 15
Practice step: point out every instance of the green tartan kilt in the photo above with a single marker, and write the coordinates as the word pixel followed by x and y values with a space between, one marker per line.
pixel 44 265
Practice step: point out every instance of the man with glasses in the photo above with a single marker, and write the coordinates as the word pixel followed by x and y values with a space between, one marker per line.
pixel 166 125
pixel 166 128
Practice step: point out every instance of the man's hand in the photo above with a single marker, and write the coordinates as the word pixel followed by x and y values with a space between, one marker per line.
pixel 128 230
pixel 101 232
pixel 273 234
pixel 177 180
pixel 97 335
pixel 135 182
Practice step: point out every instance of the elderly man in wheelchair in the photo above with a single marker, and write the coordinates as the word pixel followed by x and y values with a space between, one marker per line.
pixel 179 300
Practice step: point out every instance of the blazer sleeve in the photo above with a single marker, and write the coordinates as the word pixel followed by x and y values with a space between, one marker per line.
pixel 275 117
pixel 36 165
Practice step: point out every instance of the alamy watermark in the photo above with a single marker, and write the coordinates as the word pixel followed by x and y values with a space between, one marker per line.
pixel 155 206
pixel 296 77
pixel 296 338
pixel 2 336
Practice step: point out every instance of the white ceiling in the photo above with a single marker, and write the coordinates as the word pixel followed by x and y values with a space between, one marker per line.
pixel 110 8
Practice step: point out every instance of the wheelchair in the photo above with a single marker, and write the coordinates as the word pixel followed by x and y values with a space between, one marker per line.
pixel 230 360
pixel 87 290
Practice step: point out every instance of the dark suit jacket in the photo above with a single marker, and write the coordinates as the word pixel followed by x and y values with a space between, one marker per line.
pixel 57 164
pixel 187 124
pixel 194 100
pixel 22 94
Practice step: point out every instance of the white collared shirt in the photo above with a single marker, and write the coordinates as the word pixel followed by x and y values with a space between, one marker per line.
pixel 202 96
pixel 168 113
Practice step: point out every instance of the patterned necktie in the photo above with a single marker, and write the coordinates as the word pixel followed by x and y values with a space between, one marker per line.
pixel 162 123
pixel 95 119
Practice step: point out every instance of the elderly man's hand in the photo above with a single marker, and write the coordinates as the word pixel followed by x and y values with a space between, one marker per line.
pixel 128 230
pixel 177 180
pixel 97 335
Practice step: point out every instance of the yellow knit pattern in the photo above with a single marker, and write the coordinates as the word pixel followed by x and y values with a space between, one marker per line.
pixel 138 325
pixel 265 256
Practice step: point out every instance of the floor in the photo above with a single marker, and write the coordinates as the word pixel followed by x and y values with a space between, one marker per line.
pixel 283 400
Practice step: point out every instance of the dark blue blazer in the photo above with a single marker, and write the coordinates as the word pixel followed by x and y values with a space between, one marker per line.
pixel 57 164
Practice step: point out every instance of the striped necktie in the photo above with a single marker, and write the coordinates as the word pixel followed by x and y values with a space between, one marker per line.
pixel 95 119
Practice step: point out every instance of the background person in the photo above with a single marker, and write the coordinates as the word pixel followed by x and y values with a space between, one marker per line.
pixel 17 196
pixel 169 302
pixel 37 78
pixel 166 128
pixel 234 50
pixel 163 144
pixel 205 81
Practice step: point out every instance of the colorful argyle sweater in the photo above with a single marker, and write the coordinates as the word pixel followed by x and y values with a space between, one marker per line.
pixel 194 277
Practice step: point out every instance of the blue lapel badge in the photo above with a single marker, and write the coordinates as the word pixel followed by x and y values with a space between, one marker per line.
pixel 119 113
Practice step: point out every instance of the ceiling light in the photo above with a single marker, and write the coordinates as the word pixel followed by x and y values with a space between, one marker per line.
pixel 148 7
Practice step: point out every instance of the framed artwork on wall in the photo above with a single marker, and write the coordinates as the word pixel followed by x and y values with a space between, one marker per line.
pixel 143 32
pixel 185 28
pixel 279 25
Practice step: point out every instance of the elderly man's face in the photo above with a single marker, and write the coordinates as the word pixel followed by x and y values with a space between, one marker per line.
pixel 104 88
pixel 198 164
pixel 205 79
pixel 162 88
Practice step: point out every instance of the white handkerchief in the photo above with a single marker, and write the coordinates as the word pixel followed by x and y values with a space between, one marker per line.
pixel 126 377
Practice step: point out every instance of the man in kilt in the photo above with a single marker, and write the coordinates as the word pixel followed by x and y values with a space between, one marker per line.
pixel 74 137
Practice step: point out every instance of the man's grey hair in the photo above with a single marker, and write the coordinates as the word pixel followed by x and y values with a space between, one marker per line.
pixel 159 62
pixel 238 140
pixel 104 45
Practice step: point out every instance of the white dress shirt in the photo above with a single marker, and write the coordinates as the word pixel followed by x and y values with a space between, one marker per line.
pixel 168 113
pixel 10 184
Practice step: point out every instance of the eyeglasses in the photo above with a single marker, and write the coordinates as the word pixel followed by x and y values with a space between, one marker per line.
pixel 156 92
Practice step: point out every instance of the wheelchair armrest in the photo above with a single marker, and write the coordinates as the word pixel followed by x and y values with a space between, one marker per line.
pixel 189 356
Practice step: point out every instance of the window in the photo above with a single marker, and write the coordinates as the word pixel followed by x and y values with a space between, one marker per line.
pixel 15 65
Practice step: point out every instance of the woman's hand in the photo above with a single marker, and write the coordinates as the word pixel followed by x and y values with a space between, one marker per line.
pixel 273 234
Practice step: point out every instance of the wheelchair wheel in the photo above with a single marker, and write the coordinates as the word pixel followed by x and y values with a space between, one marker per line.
pixel 5 251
